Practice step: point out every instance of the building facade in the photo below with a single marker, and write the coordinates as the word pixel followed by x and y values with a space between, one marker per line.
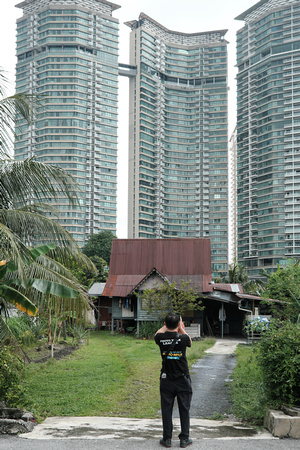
pixel 232 151
pixel 67 54
pixel 268 135
pixel 178 183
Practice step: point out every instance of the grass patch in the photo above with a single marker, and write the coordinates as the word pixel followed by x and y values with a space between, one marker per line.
pixel 247 390
pixel 112 376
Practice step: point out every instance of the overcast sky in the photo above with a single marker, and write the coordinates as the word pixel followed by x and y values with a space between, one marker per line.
pixel 188 16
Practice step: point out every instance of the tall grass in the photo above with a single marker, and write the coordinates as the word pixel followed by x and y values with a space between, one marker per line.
pixel 112 376
pixel 248 392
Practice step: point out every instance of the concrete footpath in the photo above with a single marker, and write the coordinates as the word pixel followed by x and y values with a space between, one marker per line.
pixel 80 433
pixel 72 433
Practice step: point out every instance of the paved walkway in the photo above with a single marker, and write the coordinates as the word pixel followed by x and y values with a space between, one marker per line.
pixel 137 430
pixel 210 377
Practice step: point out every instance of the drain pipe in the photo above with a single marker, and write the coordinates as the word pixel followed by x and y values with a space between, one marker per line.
pixel 244 309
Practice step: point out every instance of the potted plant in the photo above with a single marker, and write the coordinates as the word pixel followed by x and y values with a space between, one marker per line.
pixel 80 334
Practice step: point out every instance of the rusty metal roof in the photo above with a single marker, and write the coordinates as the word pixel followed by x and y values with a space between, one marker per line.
pixel 176 259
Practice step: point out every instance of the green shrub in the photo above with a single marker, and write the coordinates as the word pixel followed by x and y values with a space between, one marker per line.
pixel 11 370
pixel 39 327
pixel 279 358
pixel 148 329
pixel 19 325
pixel 27 338
pixel 27 330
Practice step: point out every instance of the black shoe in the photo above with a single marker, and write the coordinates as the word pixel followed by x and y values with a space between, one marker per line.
pixel 185 442
pixel 166 443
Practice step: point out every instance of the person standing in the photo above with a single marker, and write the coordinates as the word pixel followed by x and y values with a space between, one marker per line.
pixel 175 379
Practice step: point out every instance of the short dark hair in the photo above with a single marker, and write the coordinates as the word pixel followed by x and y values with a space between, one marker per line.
pixel 172 321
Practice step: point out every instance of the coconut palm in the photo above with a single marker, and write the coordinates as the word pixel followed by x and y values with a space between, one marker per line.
pixel 238 274
pixel 22 219
pixel 24 185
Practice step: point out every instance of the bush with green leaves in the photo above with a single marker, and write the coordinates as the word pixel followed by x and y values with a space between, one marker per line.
pixel 27 330
pixel 11 370
pixel 19 325
pixel 279 358
pixel 148 329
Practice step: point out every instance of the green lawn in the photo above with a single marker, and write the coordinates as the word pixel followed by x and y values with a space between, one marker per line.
pixel 112 376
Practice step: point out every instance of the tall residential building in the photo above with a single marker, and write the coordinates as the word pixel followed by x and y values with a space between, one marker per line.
pixel 178 136
pixel 232 197
pixel 68 55
pixel 268 135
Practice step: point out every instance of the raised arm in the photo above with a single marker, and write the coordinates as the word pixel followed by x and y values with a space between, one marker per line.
pixel 163 329
pixel 181 329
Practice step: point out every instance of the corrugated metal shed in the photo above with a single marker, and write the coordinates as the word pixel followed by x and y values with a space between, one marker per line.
pixel 176 259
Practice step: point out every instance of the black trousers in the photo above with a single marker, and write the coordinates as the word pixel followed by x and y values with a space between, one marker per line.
pixel 182 389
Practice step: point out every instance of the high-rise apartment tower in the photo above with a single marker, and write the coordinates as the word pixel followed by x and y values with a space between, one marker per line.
pixel 178 183
pixel 232 197
pixel 68 55
pixel 268 135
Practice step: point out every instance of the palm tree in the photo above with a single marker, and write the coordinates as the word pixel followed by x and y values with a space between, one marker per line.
pixel 238 274
pixel 22 221
pixel 24 185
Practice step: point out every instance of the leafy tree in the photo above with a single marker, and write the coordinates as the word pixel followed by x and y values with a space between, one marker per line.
pixel 86 276
pixel 166 297
pixel 284 285
pixel 100 264
pixel 99 245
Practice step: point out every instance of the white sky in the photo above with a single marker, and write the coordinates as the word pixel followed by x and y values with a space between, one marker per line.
pixel 188 16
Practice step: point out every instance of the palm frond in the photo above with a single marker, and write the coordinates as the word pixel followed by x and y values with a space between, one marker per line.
pixel 19 104
pixel 18 299
pixel 9 107
pixel 23 181
pixel 31 227
pixel 13 249
pixel 66 256
pixel 40 208
pixel 4 330
pixel 45 268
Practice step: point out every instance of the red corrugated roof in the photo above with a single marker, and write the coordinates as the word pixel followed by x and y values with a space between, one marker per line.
pixel 177 259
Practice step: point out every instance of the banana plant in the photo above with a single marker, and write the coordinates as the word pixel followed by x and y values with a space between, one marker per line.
pixel 12 295
pixel 12 285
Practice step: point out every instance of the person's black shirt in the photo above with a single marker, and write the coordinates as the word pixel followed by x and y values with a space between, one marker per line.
pixel 176 364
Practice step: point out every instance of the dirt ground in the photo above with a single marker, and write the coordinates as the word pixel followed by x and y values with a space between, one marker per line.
pixel 41 353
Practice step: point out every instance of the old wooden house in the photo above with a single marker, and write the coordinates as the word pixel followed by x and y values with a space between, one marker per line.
pixel 137 264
